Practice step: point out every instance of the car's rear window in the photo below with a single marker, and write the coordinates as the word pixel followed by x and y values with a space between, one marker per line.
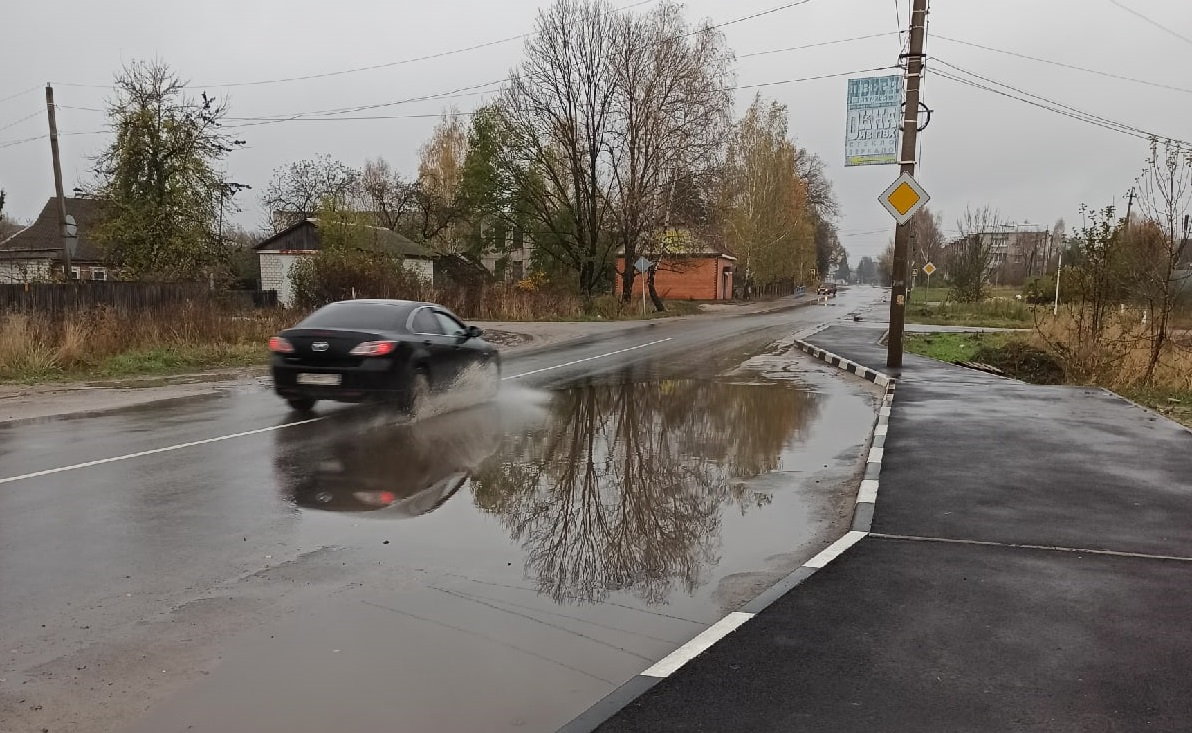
pixel 358 316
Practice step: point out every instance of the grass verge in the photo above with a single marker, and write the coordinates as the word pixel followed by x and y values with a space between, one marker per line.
pixel 1007 351
pixel 1175 404
pixel 953 347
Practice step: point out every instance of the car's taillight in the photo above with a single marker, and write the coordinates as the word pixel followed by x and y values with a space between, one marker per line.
pixel 374 348
pixel 279 345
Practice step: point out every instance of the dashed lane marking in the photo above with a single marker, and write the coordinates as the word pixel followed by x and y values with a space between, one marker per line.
pixel 273 428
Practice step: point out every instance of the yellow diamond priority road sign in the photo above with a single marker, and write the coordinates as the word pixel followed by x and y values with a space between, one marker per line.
pixel 929 268
pixel 903 198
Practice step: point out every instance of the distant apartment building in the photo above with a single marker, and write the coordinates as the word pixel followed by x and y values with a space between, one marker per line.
pixel 1016 251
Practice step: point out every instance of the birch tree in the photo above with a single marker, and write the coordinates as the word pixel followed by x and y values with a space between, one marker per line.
pixel 763 210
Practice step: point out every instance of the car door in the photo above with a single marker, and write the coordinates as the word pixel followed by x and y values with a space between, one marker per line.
pixel 461 356
pixel 440 348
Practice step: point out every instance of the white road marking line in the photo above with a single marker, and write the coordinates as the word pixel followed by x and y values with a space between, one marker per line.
pixel 671 663
pixel 835 550
pixel 590 358
pixel 155 451
pixel 1018 546
pixel 258 431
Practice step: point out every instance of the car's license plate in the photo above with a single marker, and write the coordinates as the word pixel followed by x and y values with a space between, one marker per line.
pixel 323 380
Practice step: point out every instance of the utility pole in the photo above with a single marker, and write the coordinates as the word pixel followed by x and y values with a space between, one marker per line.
pixel 910 137
pixel 58 183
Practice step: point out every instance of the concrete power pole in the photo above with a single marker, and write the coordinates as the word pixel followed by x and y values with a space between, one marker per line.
pixel 910 137
pixel 62 223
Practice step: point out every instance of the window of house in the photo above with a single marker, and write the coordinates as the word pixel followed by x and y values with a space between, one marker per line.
pixel 99 273
pixel 74 273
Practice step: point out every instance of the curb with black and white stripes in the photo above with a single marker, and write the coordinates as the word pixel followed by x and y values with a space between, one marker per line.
pixel 612 703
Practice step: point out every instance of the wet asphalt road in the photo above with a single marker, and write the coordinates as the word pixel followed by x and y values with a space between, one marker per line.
pixel 220 564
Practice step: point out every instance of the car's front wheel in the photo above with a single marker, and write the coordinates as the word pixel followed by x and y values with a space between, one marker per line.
pixel 301 404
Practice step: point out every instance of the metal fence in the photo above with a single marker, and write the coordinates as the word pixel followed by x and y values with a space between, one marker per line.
pixel 54 298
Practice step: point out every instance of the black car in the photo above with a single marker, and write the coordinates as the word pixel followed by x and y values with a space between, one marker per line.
pixel 391 350
pixel 827 289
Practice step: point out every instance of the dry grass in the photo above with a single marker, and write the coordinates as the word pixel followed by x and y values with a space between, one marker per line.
pixel 1119 358
pixel 108 342
pixel 507 302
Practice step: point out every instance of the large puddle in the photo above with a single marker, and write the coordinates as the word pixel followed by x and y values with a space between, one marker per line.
pixel 631 485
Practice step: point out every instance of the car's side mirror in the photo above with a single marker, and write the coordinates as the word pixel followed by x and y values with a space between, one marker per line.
pixel 475 332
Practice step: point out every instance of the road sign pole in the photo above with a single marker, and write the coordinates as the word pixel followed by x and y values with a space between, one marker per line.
pixel 910 135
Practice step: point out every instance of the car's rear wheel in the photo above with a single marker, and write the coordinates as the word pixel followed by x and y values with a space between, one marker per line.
pixel 301 404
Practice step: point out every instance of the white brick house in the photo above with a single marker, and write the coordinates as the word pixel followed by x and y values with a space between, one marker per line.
pixel 278 254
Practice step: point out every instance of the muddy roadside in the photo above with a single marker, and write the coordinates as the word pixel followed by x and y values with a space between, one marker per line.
pixel 57 399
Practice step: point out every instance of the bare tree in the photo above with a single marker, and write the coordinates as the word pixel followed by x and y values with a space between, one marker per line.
pixel 560 110
pixel 384 193
pixel 8 227
pixel 1166 196
pixel 301 188
pixel 927 236
pixel 972 256
pixel 672 112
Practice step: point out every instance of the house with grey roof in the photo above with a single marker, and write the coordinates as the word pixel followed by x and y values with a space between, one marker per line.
pixel 279 253
pixel 35 253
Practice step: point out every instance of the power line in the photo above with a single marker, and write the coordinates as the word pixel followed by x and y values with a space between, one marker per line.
pixel 21 94
pixel 1066 66
pixel 361 108
pixel 17 122
pixel 12 143
pixel 991 85
pixel 759 14
pixel 438 55
pixel 22 141
pixel 358 69
pixel 1153 22
pixel 815 45
pixel 809 78
pixel 338 115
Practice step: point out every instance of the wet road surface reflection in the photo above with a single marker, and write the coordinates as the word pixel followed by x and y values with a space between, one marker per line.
pixel 623 488
pixel 618 485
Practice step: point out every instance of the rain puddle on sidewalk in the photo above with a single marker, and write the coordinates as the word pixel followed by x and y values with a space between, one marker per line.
pixel 694 493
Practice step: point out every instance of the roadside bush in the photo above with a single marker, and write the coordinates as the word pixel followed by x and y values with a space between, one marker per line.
pixel 1023 361
pixel 1040 289
pixel 343 273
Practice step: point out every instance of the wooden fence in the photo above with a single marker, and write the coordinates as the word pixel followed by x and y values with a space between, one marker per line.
pixel 55 298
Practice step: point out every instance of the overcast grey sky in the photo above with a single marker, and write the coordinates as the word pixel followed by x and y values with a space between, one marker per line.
pixel 1031 164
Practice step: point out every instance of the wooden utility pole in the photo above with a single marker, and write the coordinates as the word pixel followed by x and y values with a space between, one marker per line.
pixel 910 137
pixel 58 183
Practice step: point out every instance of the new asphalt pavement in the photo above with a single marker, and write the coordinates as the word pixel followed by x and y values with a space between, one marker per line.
pixel 1029 568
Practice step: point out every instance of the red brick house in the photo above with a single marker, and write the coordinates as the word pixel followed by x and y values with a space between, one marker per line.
pixel 694 270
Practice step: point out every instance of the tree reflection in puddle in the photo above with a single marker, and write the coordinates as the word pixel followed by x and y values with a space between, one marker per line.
pixel 623 487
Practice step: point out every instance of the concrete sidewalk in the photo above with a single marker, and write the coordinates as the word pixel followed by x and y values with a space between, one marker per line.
pixel 1029 567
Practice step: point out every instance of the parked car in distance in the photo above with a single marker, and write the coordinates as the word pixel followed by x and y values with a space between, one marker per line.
pixel 387 350
pixel 827 289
